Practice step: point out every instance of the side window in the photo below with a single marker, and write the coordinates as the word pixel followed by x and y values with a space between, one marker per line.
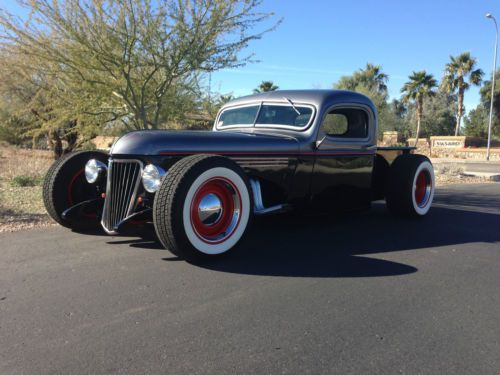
pixel 346 123
pixel 335 124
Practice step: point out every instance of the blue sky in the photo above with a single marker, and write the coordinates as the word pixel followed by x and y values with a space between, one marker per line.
pixel 320 40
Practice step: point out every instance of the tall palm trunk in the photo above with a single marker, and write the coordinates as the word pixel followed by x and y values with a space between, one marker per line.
pixel 460 113
pixel 420 110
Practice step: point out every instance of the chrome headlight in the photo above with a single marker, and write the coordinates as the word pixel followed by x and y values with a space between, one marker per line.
pixel 151 177
pixel 93 169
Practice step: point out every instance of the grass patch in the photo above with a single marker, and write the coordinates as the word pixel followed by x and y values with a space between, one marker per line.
pixel 21 199
pixel 21 179
pixel 26 181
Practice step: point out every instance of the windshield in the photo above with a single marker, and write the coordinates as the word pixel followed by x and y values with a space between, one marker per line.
pixel 296 117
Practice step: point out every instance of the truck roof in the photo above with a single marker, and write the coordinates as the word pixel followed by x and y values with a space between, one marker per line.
pixel 320 98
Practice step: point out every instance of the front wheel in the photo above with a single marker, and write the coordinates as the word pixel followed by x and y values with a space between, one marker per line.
pixel 411 186
pixel 65 186
pixel 203 207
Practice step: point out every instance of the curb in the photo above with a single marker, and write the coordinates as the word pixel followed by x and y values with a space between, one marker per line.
pixel 489 176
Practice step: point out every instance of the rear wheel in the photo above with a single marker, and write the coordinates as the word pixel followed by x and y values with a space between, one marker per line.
pixel 411 186
pixel 65 185
pixel 203 207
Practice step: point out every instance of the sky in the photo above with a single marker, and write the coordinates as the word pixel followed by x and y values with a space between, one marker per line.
pixel 321 40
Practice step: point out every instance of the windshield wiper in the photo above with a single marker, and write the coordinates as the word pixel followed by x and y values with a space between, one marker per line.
pixel 293 106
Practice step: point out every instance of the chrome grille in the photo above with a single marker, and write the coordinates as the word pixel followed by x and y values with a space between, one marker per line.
pixel 124 177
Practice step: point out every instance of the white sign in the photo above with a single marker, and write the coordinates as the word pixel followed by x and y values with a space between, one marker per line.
pixel 447 143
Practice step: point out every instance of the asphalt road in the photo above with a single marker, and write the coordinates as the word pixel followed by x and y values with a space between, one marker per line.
pixel 363 293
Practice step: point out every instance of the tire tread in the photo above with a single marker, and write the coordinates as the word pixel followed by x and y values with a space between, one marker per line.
pixel 50 184
pixel 400 185
pixel 167 203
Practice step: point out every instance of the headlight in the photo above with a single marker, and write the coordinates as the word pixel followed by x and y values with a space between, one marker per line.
pixel 93 169
pixel 151 177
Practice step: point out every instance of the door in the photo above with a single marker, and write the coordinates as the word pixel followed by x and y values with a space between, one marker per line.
pixel 345 151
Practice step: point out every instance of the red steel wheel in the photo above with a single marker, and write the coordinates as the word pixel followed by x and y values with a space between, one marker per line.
pixel 411 186
pixel 203 207
pixel 423 188
pixel 215 210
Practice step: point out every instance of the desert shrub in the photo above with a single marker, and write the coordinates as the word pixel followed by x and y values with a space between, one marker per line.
pixel 450 170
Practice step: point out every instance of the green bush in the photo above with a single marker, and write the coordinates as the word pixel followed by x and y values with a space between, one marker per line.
pixel 23 181
pixel 9 135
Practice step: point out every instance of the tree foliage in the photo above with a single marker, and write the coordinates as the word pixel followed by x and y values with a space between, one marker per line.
pixel 372 82
pixel 438 117
pixel 460 74
pixel 136 62
pixel 265 86
pixel 371 78
pixel 420 86
pixel 476 122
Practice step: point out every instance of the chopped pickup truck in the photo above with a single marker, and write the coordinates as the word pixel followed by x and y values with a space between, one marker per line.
pixel 267 153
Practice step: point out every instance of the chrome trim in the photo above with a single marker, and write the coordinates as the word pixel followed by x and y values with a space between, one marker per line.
pixel 210 209
pixel 259 208
pixel 131 205
pixel 252 162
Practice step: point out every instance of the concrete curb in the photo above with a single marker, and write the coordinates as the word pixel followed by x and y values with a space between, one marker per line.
pixel 463 161
pixel 489 176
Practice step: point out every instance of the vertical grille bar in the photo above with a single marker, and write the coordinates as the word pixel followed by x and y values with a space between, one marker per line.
pixel 121 192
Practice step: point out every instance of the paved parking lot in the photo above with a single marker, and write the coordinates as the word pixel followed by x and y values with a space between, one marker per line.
pixel 351 294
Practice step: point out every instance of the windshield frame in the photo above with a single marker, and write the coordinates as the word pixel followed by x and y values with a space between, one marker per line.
pixel 256 125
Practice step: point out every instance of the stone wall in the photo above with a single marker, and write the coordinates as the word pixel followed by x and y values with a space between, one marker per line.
pixel 478 153
pixel 450 147
pixel 462 147
pixel 390 138
pixel 423 145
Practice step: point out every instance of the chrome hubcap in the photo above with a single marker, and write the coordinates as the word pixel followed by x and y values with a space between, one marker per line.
pixel 210 209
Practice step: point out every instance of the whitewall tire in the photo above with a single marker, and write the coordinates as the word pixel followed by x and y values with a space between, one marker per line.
pixel 203 207
pixel 411 185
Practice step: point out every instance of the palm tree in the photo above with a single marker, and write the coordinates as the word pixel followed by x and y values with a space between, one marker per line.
pixel 415 90
pixel 265 86
pixel 459 75
pixel 373 78
pixel 370 78
pixel 223 99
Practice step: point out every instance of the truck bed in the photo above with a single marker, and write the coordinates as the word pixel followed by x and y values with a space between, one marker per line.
pixel 390 153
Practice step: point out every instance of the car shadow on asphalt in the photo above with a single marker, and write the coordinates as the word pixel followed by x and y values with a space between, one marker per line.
pixel 344 245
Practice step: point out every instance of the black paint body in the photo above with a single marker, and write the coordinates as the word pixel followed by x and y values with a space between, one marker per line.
pixel 288 163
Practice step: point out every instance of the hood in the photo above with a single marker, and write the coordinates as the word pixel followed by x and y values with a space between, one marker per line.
pixel 165 142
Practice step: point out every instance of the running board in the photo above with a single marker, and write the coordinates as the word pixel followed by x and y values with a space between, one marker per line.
pixel 259 208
